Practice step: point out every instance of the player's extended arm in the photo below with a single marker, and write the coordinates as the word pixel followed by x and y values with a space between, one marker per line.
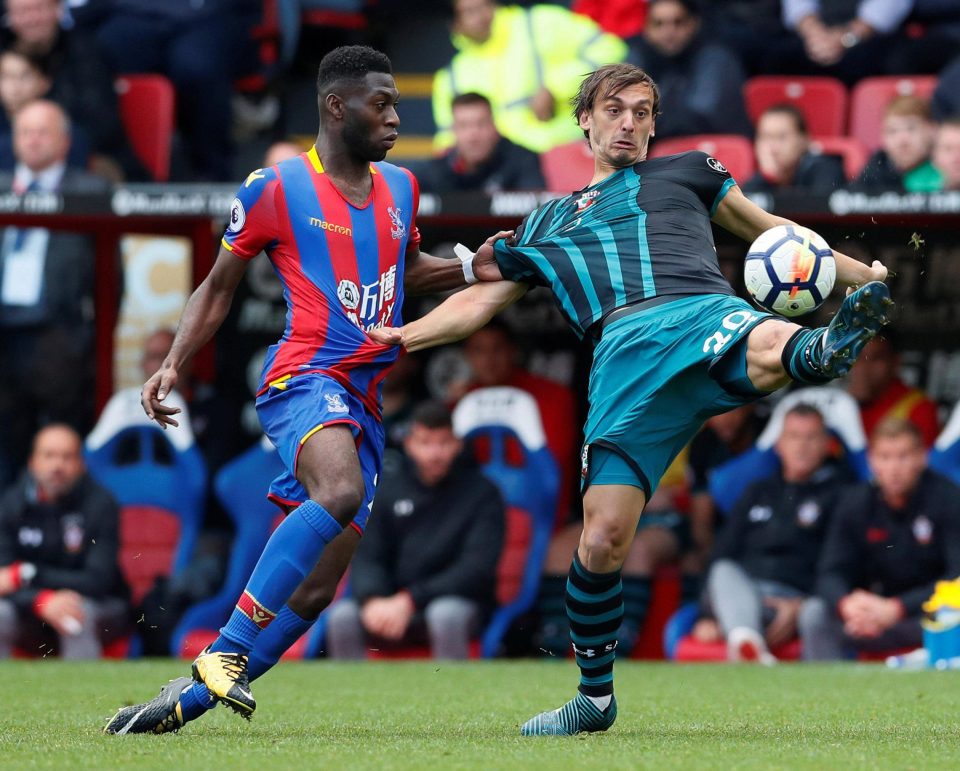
pixel 457 317
pixel 744 218
pixel 204 313
pixel 425 273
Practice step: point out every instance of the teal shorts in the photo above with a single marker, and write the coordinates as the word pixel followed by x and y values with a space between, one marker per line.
pixel 657 375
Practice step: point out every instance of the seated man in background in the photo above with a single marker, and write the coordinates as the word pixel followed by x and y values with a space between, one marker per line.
pixel 946 154
pixel 480 158
pixel 784 160
pixel 46 295
pixel 889 542
pixel 903 162
pixel 60 584
pixel 875 383
pixel 427 565
pixel 765 559
pixel 700 80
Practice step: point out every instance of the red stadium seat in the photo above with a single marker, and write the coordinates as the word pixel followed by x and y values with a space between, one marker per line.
pixel 149 537
pixel 871 97
pixel 823 101
pixel 568 167
pixel 690 650
pixel 147 112
pixel 850 149
pixel 732 150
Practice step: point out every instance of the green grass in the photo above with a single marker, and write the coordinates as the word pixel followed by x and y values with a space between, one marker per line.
pixel 441 716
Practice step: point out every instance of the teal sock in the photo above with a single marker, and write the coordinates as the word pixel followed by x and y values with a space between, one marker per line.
pixel 637 591
pixel 802 357
pixel 595 610
pixel 554 636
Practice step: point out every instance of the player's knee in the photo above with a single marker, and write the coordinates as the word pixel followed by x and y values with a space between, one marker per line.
pixel 604 544
pixel 342 500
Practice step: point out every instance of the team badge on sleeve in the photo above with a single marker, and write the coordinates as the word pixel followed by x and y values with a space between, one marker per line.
pixel 237 216
pixel 714 164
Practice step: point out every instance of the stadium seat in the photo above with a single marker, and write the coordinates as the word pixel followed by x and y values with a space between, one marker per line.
pixel 945 455
pixel 871 97
pixel 241 487
pixel 823 101
pixel 850 149
pixel 159 479
pixel 568 167
pixel 507 422
pixel 147 112
pixel 842 415
pixel 732 150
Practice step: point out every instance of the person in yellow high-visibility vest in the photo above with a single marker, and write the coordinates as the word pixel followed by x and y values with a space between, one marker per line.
pixel 527 62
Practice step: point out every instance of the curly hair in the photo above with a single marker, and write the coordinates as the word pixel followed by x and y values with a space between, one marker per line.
pixel 349 64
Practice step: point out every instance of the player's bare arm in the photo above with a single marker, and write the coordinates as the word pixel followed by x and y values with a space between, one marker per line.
pixel 745 219
pixel 457 317
pixel 204 313
pixel 426 273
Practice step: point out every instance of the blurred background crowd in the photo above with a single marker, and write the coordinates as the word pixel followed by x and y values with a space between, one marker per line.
pixel 816 525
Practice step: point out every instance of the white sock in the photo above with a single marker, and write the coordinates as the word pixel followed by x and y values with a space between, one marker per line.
pixel 602 702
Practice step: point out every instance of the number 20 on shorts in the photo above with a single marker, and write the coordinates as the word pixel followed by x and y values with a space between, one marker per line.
pixel 735 323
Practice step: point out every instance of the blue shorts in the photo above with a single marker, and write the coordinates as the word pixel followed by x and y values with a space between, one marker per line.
pixel 657 375
pixel 294 410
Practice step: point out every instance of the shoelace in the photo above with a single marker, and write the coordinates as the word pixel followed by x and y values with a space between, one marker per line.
pixel 234 665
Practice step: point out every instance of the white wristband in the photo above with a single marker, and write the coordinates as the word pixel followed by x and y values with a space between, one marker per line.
pixel 466 261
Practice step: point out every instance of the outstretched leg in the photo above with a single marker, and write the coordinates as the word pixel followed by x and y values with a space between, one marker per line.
pixel 778 353
pixel 595 610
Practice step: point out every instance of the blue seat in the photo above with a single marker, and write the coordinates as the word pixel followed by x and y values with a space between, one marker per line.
pixel 159 479
pixel 945 455
pixel 841 413
pixel 506 422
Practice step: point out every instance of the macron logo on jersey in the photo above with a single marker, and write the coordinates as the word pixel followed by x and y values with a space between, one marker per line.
pixel 331 227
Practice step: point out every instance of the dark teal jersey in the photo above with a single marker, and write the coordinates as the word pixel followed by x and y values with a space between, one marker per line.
pixel 643 232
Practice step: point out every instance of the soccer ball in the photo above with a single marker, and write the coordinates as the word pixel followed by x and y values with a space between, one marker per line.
pixel 789 270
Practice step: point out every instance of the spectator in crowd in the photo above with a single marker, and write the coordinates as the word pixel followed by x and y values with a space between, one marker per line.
pixel 847 40
pixel 480 158
pixel 784 160
pixel 766 557
pixel 946 154
pixel 426 566
pixel 875 383
pixel 934 42
pixel 494 360
pixel 526 61
pixel 945 102
pixel 281 151
pixel 58 555
pixel 700 81
pixel 80 81
pixel 903 162
pixel 751 29
pixel 200 47
pixel 46 295
pixel 889 542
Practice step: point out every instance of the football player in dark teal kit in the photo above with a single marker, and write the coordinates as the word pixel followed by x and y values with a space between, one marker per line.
pixel 631 263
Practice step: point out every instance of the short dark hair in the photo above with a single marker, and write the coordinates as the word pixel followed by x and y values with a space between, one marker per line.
pixel 805 410
pixel 786 108
pixel 431 414
pixel 690 6
pixel 349 64
pixel 608 80
pixel 470 97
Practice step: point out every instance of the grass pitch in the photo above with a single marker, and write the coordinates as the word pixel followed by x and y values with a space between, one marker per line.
pixel 444 716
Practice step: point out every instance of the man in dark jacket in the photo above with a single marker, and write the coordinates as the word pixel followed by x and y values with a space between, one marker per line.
pixel 888 544
pixel 481 159
pixel 58 555
pixel 784 159
pixel 427 564
pixel 46 295
pixel 765 560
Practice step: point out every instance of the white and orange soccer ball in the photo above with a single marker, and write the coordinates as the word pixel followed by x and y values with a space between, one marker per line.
pixel 789 270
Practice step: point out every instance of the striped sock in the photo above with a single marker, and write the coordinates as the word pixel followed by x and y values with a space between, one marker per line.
pixel 636 602
pixel 802 355
pixel 554 625
pixel 595 610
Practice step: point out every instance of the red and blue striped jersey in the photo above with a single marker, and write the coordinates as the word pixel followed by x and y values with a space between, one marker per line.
pixel 341 267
